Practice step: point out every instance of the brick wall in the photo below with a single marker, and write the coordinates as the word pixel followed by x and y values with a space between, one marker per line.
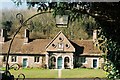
pixel 30 61
pixel 89 63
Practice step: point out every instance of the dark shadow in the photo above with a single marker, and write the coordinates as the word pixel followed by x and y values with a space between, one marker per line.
pixel 78 51
pixel 30 40
pixel 7 39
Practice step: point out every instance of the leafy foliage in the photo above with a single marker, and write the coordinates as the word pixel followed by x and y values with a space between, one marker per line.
pixel 44 26
pixel 7 25
pixel 111 55
pixel 108 18
pixel 107 15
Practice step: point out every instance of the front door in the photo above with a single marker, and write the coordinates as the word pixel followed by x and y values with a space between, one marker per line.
pixel 24 62
pixel 94 63
pixel 59 63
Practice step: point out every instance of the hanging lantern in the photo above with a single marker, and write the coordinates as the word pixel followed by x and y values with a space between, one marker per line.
pixel 62 20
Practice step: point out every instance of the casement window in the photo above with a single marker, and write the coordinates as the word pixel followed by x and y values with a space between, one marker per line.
pixel 36 59
pixel 95 63
pixel 83 60
pixel 4 58
pixel 53 59
pixel 13 58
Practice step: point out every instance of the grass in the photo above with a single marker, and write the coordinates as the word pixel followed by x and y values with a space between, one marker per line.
pixel 83 73
pixel 36 73
pixel 66 73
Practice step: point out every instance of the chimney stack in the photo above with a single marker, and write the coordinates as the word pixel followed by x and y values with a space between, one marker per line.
pixel 3 35
pixel 95 37
pixel 26 37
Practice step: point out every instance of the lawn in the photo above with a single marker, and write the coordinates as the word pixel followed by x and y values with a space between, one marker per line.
pixel 66 73
pixel 83 73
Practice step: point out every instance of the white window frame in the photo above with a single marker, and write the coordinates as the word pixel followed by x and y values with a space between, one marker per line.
pixel 97 62
pixel 13 60
pixel 25 57
pixel 35 58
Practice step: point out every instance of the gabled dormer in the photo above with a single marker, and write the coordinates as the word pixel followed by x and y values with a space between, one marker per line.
pixel 60 44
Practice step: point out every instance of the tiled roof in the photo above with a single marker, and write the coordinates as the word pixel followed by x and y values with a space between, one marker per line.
pixel 85 47
pixel 37 46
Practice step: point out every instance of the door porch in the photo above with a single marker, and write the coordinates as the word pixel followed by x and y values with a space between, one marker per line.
pixel 60 61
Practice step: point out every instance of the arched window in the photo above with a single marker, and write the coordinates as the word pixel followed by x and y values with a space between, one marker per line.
pixel 66 62
pixel 53 59
pixel 66 59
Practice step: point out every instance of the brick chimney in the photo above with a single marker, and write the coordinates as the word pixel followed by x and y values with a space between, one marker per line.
pixel 3 35
pixel 95 37
pixel 26 36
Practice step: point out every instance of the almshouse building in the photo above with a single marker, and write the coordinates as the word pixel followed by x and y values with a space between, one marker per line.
pixel 58 53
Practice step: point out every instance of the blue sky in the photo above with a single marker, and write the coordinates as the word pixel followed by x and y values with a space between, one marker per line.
pixel 8 4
